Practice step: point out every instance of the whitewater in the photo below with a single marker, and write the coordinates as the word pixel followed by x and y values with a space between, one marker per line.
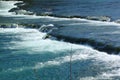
pixel 25 55
pixel 24 50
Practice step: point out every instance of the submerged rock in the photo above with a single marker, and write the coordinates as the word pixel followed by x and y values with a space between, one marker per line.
pixel 13 9
pixel 46 36
pixel 14 25
pixel 47 28
pixel 61 16
pixel 10 26
pixel 98 18
pixel 36 26
pixel 20 4
pixel 77 17
pixel 117 21
pixel 3 26
pixel 17 10
pixel 25 12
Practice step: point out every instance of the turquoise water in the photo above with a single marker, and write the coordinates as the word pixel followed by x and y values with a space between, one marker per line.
pixel 25 55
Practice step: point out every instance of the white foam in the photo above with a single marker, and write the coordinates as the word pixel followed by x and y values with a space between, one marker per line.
pixel 5 6
pixel 90 22
pixel 32 40
pixel 16 30
pixel 87 22
pixel 37 44
pixel 104 76
pixel 61 60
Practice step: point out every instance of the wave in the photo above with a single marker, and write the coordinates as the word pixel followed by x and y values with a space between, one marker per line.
pixel 24 35
pixel 31 40
pixel 5 6
pixel 18 13
pixel 82 53
pixel 83 20
pixel 110 63
pixel 102 46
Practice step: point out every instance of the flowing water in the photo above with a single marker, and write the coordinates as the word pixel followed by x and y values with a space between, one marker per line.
pixel 25 55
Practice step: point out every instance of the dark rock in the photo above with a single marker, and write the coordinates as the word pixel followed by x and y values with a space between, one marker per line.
pixel 47 28
pixel 98 18
pixel 35 26
pixel 20 4
pixel 3 26
pixel 14 9
pixel 97 45
pixel 77 17
pixel 46 36
pixel 23 12
pixel 117 21
pixel 53 15
pixel 14 26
